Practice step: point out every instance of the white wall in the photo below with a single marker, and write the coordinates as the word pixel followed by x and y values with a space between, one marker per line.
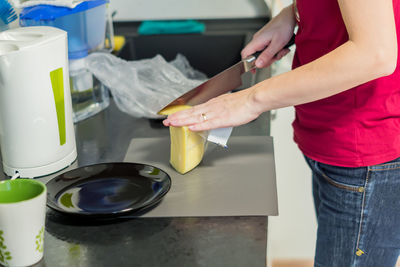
pixel 292 234
pixel 186 9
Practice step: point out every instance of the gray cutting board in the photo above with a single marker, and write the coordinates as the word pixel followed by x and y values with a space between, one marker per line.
pixel 237 181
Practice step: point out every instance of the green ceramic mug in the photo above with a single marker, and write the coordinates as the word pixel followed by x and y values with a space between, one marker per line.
pixel 22 220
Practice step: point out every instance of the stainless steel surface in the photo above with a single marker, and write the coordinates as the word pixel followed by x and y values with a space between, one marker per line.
pixel 224 82
pixel 245 168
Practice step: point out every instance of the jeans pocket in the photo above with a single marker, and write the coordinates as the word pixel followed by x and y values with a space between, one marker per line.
pixel 350 179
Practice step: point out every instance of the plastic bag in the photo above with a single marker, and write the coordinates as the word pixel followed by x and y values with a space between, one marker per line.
pixel 141 88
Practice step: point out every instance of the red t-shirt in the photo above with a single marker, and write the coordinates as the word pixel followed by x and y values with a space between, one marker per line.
pixel 358 127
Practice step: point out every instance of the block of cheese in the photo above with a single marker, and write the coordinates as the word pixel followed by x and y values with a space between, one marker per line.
pixel 187 147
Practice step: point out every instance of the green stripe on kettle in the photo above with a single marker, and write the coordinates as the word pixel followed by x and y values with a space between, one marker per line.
pixel 57 82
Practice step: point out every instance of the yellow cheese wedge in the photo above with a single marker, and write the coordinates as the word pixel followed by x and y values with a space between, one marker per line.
pixel 172 109
pixel 187 147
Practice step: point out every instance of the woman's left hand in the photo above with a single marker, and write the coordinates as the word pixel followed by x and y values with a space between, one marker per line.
pixel 223 111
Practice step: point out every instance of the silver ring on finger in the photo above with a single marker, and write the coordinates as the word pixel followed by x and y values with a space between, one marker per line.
pixel 204 116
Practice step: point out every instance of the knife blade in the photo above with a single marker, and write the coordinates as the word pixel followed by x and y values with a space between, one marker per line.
pixel 222 83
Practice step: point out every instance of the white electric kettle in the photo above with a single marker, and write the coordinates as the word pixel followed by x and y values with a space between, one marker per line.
pixel 36 128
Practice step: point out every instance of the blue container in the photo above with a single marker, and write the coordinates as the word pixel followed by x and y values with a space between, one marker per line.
pixel 85 24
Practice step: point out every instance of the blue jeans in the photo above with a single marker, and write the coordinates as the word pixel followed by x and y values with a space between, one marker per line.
pixel 358 214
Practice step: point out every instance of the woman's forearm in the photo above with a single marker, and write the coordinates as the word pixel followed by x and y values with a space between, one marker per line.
pixel 342 69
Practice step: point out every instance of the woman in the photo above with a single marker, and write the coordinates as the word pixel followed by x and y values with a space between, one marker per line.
pixel 345 86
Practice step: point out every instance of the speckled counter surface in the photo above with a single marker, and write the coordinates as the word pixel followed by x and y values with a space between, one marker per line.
pixel 223 241
pixel 190 241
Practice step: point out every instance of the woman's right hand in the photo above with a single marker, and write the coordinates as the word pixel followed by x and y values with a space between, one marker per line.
pixel 272 38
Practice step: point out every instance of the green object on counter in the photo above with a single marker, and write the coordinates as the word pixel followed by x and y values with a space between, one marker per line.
pixel 171 27
pixel 57 82
pixel 13 191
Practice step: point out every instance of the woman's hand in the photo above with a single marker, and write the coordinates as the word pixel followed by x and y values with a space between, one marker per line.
pixel 223 111
pixel 272 38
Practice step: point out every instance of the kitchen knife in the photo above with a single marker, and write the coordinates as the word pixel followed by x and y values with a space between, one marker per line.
pixel 223 82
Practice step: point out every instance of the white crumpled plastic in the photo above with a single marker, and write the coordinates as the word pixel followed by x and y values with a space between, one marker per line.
pixel 141 88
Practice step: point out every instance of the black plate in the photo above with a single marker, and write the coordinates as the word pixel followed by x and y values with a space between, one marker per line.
pixel 107 189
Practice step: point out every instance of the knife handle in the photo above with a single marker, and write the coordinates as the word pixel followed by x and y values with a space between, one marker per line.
pixel 289 44
pixel 250 62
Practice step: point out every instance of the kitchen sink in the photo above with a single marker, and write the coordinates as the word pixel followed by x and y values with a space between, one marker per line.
pixel 209 54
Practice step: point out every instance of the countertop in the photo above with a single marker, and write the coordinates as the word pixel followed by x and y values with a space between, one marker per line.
pixel 190 241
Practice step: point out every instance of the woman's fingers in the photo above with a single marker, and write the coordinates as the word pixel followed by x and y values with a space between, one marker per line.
pixel 282 53
pixel 187 117
pixel 254 46
pixel 269 55
pixel 223 111
pixel 260 40
pixel 206 125
pixel 197 120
